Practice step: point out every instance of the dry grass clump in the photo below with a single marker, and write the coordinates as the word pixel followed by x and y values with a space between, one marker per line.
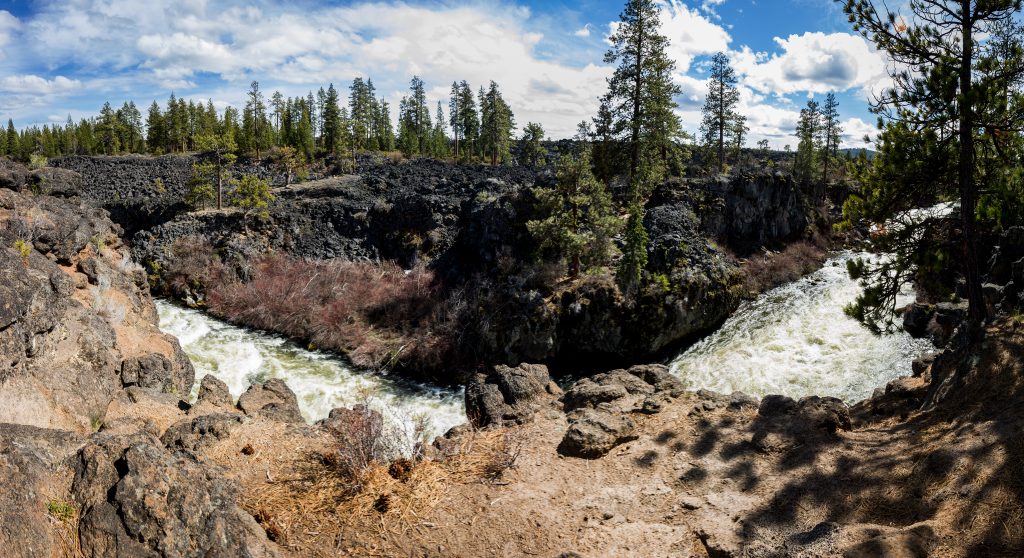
pixel 771 269
pixel 310 510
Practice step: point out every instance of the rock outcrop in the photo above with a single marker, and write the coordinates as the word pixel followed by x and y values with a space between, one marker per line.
pixel 508 395
pixel 598 407
pixel 77 324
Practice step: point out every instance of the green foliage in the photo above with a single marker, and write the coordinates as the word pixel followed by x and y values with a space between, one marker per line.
pixel 60 510
pixel 37 161
pixel 637 120
pixel 719 124
pixel 579 221
pixel 158 186
pixel 496 125
pixel 634 251
pixel 201 187
pixel 24 249
pixel 532 150
pixel 252 194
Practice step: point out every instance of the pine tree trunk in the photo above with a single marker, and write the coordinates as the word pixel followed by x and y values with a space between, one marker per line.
pixel 968 188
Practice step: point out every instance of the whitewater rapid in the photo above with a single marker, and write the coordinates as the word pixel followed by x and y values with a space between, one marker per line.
pixel 796 340
pixel 321 381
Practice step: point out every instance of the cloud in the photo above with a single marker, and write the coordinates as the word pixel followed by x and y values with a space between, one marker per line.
pixel 854 130
pixel 690 34
pixel 710 7
pixel 814 62
pixel 583 31
pixel 8 26
pixel 35 85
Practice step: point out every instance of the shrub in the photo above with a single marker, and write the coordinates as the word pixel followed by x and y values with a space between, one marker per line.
pixel 60 510
pixel 252 194
pixel 24 249
pixel 765 271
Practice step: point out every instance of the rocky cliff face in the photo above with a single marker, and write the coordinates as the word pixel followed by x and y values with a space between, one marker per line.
pixel 77 324
pixel 467 223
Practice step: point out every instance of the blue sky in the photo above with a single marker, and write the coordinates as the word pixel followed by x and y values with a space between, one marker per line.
pixel 68 57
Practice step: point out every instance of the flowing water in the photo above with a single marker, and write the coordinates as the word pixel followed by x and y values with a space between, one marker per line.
pixel 321 381
pixel 795 340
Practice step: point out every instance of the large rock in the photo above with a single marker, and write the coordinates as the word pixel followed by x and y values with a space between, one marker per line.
pixel 592 433
pixel 77 323
pixel 195 434
pixel 507 395
pixel 272 399
pixel 139 499
pixel 32 483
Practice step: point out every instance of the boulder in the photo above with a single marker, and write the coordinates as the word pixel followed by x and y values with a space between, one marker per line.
pixel 194 434
pixel 948 316
pixel 138 499
pixel 31 484
pixel 1009 251
pixel 52 181
pixel 916 317
pixel 272 399
pixel 12 175
pixel 826 413
pixel 214 391
pixel 776 405
pixel 507 395
pixel 593 433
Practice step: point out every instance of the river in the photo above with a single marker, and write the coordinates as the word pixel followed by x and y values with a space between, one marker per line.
pixel 793 340
pixel 796 340
pixel 321 381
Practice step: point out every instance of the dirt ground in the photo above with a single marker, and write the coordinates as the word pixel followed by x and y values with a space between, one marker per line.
pixel 708 476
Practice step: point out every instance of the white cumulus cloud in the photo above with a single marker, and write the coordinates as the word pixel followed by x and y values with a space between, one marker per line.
pixel 814 62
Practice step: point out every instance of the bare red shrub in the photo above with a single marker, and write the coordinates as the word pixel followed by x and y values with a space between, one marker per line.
pixel 766 271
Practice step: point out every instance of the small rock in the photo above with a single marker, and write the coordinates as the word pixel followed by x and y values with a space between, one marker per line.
pixel 272 399
pixel 691 503
pixel 776 405
pixel 592 433
pixel 214 391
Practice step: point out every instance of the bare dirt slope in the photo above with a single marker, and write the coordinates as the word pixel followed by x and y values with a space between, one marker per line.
pixel 709 475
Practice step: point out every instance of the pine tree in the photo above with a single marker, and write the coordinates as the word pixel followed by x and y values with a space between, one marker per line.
pixel 640 92
pixel 200 185
pixel 738 134
pixel 109 129
pixel 439 135
pixel 252 194
pixel 936 87
pixel 454 114
pixel 332 125
pixel 634 252
pixel 222 148
pixel 720 106
pixel 531 146
pixel 831 131
pixel 470 121
pixel 808 131
pixel 256 119
pixel 497 123
pixel 579 220
pixel 385 130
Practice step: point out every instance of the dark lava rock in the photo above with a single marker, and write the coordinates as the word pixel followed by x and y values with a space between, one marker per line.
pixel 1010 250
pixel 194 434
pixel 916 317
pixel 507 395
pixel 828 413
pixel 138 499
pixel 776 405
pixel 214 391
pixel 272 399
pixel 593 433
pixel 61 183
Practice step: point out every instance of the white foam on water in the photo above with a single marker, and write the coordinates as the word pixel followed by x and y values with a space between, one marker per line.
pixel 240 357
pixel 796 340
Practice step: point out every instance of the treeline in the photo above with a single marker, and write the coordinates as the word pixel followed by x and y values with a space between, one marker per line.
pixel 478 127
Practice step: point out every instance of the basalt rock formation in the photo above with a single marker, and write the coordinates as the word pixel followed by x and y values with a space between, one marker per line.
pixel 467 225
